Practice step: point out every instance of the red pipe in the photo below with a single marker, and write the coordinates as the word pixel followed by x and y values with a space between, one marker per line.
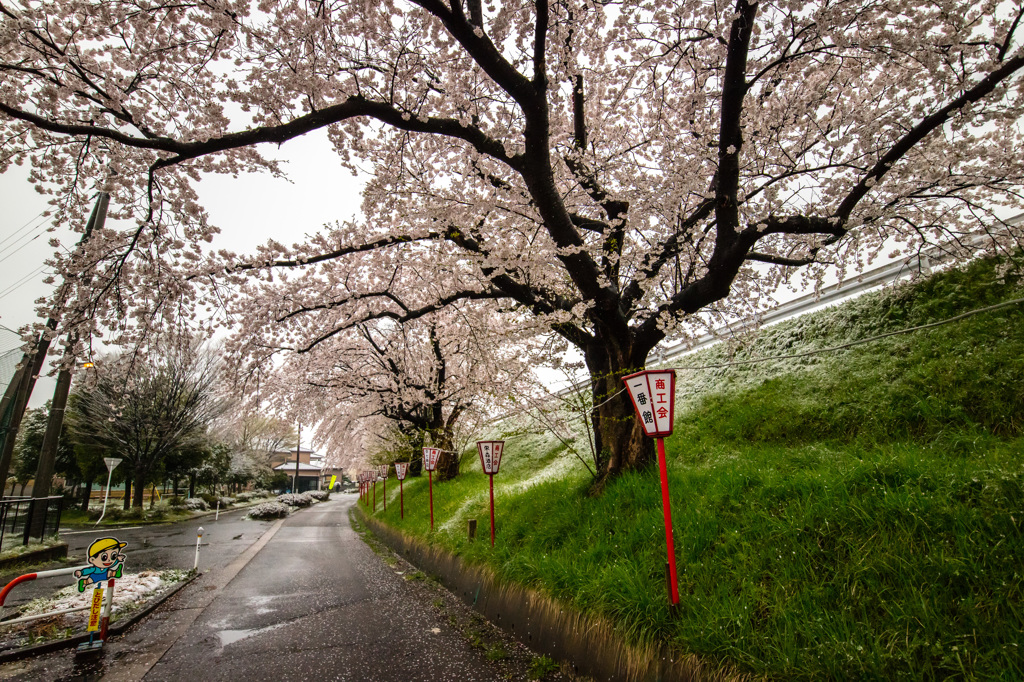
pixel 17 581
pixel 491 477
pixel 663 469
pixel 430 480
pixel 401 496
pixel 385 493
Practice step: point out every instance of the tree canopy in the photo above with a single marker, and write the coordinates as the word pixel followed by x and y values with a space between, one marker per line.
pixel 611 169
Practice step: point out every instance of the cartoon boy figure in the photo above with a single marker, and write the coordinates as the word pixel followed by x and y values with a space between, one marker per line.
pixel 105 561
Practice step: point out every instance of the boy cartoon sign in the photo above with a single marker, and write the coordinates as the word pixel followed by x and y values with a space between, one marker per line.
pixel 105 562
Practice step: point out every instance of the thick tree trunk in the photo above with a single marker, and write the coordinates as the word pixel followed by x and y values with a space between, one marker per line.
pixel 138 499
pixel 192 485
pixel 127 500
pixel 87 492
pixel 618 437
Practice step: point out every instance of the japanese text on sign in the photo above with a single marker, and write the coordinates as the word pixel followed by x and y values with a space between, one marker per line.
pixel 652 393
pixel 401 469
pixel 430 457
pixel 94 610
pixel 490 455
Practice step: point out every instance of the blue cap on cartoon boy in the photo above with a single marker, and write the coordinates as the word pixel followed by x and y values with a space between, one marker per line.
pixel 105 561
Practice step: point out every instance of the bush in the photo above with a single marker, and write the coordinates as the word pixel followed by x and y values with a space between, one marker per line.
pixel 269 510
pixel 295 500
pixel 253 495
pixel 226 501
pixel 210 499
pixel 157 513
pixel 176 501
pixel 320 495
pixel 196 504
pixel 134 514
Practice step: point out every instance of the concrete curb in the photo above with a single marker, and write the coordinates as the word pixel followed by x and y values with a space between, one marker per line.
pixel 114 630
pixel 36 556
pixel 200 515
pixel 588 644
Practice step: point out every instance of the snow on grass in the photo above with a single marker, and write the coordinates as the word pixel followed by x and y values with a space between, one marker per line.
pixel 131 592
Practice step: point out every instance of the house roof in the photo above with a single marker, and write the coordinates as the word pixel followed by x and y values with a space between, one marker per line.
pixel 290 466
pixel 291 451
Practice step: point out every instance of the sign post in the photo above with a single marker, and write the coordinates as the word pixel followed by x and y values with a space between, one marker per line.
pixel 111 463
pixel 653 394
pixel 430 457
pixel 401 469
pixel 490 460
pixel 383 469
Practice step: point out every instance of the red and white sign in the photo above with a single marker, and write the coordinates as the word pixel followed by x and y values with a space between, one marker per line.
pixel 401 469
pixel 430 457
pixel 382 470
pixel 490 455
pixel 653 393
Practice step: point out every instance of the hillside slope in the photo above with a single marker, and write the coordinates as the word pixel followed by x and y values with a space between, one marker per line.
pixel 846 515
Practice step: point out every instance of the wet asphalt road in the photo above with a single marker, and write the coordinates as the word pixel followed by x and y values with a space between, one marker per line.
pixel 309 601
pixel 316 603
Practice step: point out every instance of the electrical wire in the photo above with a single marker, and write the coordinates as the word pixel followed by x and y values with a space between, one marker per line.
pixel 36 232
pixel 15 233
pixel 16 250
pixel 21 282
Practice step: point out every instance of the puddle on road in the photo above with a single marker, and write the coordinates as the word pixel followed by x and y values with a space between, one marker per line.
pixel 231 636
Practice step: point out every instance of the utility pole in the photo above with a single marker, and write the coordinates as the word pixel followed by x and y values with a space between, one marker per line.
pixel 16 397
pixel 55 422
pixel 298 446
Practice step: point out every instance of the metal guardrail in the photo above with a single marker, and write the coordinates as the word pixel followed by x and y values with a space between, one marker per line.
pixel 16 519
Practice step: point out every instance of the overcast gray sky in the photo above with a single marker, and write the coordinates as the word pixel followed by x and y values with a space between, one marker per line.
pixel 249 210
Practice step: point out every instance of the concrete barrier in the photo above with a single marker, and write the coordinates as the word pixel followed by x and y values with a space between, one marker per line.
pixel 588 644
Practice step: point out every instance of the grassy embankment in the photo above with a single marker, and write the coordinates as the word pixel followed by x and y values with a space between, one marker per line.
pixel 851 515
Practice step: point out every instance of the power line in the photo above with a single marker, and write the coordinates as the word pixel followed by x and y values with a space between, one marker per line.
pixel 32 235
pixel 36 232
pixel 21 282
pixel 13 234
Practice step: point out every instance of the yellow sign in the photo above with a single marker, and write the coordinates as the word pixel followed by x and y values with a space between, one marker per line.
pixel 94 612
pixel 333 480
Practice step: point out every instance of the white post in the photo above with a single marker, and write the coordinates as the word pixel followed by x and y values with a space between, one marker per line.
pixel 199 539
pixel 111 463
pixel 217 515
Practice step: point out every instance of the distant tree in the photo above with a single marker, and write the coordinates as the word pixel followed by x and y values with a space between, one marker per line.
pixel 147 407
pixel 215 468
pixel 184 461
pixel 88 453
pixel 419 379
pixel 30 441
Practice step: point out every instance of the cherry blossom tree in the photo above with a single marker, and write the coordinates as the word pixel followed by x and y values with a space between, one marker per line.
pixel 417 382
pixel 612 169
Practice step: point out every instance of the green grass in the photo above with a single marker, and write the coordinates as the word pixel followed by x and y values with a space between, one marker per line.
pixel 857 516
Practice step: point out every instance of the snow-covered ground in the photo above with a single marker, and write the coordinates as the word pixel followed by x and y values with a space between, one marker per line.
pixel 131 592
